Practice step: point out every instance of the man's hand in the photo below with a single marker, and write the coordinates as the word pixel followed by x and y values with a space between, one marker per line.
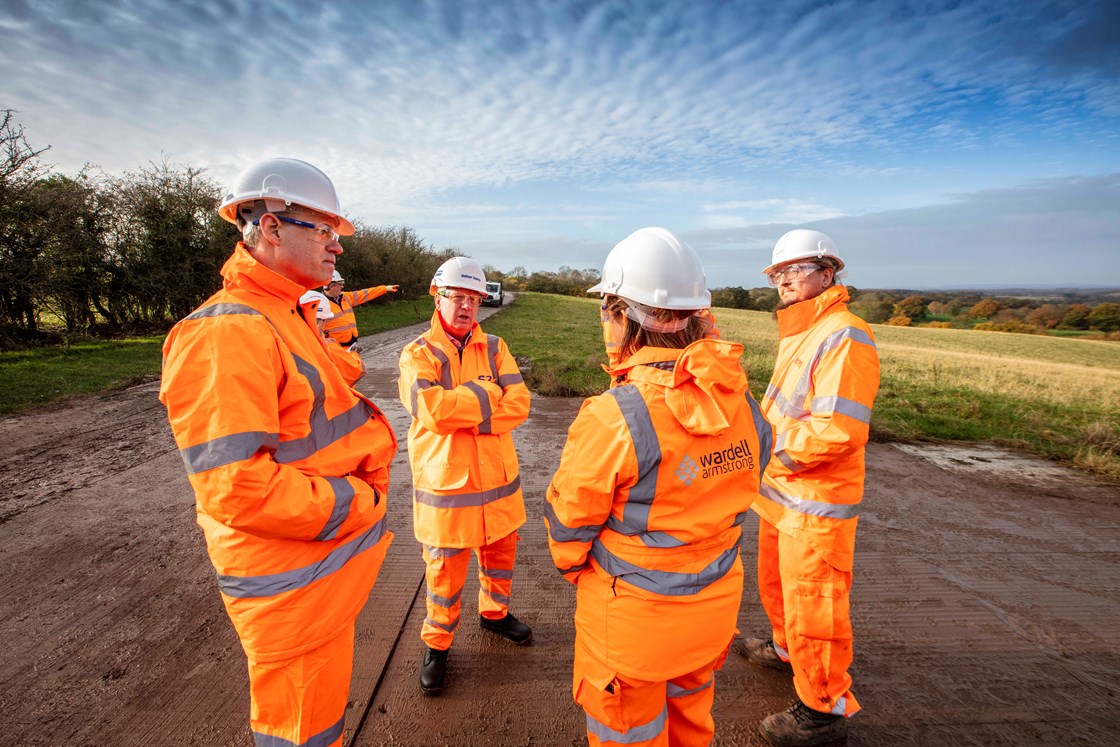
pixel 392 288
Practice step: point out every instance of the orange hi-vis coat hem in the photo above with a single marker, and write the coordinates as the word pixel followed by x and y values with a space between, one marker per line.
pixel 654 483
pixel 819 401
pixel 289 465
pixel 343 326
pixel 466 483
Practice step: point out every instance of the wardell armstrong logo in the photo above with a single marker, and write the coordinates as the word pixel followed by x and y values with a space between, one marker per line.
pixel 732 459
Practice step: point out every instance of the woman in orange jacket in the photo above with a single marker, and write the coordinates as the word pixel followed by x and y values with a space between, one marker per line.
pixel 644 512
pixel 466 395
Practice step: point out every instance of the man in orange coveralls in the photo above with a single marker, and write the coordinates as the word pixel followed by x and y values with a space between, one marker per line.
pixel 289 465
pixel 342 326
pixel 819 401
pixel 466 395
pixel 644 512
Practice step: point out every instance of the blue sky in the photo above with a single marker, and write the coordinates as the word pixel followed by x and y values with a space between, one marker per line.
pixel 939 143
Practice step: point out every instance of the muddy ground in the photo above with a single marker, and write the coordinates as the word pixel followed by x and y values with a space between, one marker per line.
pixel 986 601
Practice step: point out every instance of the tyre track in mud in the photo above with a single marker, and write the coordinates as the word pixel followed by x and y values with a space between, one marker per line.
pixel 984 602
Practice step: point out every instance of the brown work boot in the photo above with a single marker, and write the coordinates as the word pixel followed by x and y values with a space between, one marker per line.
pixel 761 652
pixel 801 726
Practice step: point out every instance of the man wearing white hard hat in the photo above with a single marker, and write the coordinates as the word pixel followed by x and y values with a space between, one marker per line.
pixel 466 395
pixel 342 326
pixel 819 401
pixel 289 464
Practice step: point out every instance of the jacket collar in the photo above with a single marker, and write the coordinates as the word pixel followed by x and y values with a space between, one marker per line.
pixel 241 270
pixel 439 335
pixel 801 316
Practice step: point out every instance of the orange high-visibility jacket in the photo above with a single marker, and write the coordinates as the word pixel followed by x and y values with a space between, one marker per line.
pixel 343 326
pixel 654 482
pixel 819 401
pixel 289 465
pixel 612 334
pixel 466 483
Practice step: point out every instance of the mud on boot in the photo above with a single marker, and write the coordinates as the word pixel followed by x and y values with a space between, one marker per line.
pixel 801 726
pixel 761 651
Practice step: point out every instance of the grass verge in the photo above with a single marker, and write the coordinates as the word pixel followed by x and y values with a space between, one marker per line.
pixel 379 316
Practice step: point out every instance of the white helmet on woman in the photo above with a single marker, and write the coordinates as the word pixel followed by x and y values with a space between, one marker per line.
pixel 654 267
pixel 459 272
pixel 803 243
pixel 274 185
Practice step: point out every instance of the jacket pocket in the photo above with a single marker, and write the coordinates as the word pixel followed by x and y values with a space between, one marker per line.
pixel 442 476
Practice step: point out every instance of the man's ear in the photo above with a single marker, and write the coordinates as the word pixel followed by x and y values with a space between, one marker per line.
pixel 270 228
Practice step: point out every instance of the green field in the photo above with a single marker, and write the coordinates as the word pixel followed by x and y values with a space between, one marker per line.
pixel 1057 397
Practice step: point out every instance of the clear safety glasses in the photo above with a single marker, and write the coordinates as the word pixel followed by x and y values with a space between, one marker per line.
pixel 460 299
pixel 793 272
pixel 323 232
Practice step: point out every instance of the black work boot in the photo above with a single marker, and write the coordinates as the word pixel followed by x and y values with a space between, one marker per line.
pixel 801 726
pixel 432 671
pixel 761 651
pixel 508 627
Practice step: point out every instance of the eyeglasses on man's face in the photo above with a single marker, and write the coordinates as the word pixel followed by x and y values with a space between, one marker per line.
pixel 461 299
pixel 793 272
pixel 323 232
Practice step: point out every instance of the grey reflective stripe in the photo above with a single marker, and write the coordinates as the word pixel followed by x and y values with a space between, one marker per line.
pixel 483 405
pixel 247 587
pixel 450 628
pixel 219 452
pixel 496 573
pixel 492 349
pixel 222 309
pixel 500 598
pixel 667 583
pixel 343 497
pixel 416 387
pixel 650 539
pixel 444 601
pixel 647 450
pixel 787 408
pixel 844 406
pixel 573 568
pixel 740 518
pixel 328 736
pixel 444 361
pixel 675 691
pixel 812 508
pixel 510 379
pixel 460 500
pixel 787 460
pixel 345 328
pixel 642 733
pixel 559 532
pixel 324 431
pixel 831 342
pixel 444 552
pixel 765 433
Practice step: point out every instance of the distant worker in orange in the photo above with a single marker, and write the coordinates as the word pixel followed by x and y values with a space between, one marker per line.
pixel 819 401
pixel 644 513
pixel 348 360
pixel 289 465
pixel 466 395
pixel 343 325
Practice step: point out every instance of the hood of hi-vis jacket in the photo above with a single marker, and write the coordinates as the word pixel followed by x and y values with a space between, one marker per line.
pixel 654 482
pixel 464 405
pixel 289 465
pixel 819 401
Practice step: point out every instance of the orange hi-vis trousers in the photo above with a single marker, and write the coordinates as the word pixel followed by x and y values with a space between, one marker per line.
pixel 302 700
pixel 806 600
pixel 445 570
pixel 653 714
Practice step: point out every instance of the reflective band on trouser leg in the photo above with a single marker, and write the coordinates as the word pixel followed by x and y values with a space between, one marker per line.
pixel 818 627
pixel 301 701
pixel 634 714
pixel 445 570
pixel 690 699
pixel 495 576
pixel 770 581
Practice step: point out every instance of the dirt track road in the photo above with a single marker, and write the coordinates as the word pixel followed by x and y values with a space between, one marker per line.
pixel 986 601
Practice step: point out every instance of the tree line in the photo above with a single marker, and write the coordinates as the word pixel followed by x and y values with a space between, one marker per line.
pixel 96 255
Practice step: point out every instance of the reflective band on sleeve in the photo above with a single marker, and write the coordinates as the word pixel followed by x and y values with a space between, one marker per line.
pixel 416 387
pixel 572 569
pixel 674 691
pixel 787 408
pixel 328 736
pixel 483 404
pixel 844 406
pixel 510 379
pixel 813 508
pixel 560 532
pixel 634 734
pixel 787 460
pixel 247 587
pixel 223 309
pixel 667 583
pixel 444 362
pixel 324 431
pixel 343 498
pixel 219 452
pixel 460 500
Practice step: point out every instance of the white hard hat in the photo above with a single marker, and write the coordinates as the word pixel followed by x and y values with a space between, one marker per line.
pixel 276 184
pixel 459 272
pixel 323 310
pixel 803 243
pixel 653 266
pixel 336 277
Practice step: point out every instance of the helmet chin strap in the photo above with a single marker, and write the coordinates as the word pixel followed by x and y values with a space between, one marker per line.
pixel 643 315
